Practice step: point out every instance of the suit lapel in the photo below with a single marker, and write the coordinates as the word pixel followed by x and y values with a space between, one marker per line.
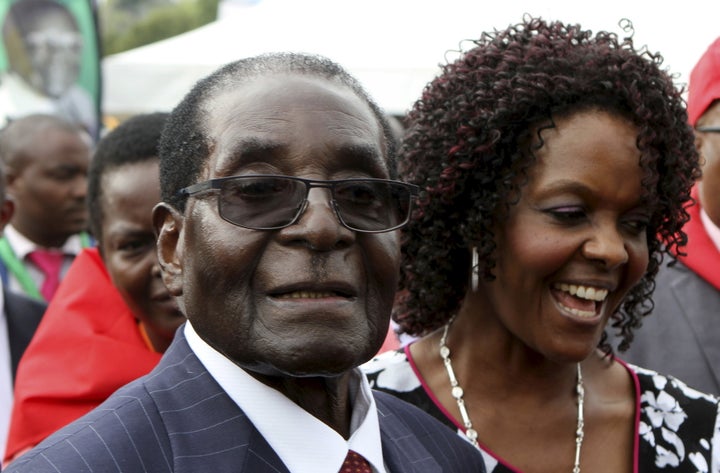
pixel 22 317
pixel 697 298
pixel 207 430
pixel 402 450
pixel 261 457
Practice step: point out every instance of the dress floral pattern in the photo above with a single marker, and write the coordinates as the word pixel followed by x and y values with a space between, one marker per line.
pixel 678 428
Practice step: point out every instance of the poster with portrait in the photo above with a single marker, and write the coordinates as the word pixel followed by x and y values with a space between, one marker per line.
pixel 50 60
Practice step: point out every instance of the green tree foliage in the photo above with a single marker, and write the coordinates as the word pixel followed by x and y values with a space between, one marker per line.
pixel 127 24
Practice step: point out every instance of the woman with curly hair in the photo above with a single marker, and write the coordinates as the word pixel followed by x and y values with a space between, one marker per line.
pixel 556 167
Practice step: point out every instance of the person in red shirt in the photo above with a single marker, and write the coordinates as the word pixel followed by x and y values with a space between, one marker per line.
pixel 112 316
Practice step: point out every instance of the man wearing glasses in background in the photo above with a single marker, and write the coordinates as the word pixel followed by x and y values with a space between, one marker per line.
pixel 277 235
pixel 682 334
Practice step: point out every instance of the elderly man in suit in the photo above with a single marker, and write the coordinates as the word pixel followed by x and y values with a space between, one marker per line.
pixel 19 317
pixel 277 235
pixel 681 336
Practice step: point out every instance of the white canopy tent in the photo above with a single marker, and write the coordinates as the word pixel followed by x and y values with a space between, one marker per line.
pixel 393 47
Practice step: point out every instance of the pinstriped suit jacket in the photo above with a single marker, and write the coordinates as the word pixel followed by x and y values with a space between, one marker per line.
pixel 680 337
pixel 178 419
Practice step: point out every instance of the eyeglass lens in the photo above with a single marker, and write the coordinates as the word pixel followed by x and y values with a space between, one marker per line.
pixel 275 202
pixel 709 129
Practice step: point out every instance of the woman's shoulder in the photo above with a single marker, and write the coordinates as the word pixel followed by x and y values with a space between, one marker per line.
pixel 678 426
pixel 654 385
pixel 392 372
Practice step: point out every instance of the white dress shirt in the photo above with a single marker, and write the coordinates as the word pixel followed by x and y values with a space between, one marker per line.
pixel 712 230
pixel 22 247
pixel 303 442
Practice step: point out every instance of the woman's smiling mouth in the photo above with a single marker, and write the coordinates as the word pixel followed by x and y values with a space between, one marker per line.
pixel 579 300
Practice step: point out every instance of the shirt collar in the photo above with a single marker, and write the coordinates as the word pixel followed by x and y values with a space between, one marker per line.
pixel 22 246
pixel 712 230
pixel 303 442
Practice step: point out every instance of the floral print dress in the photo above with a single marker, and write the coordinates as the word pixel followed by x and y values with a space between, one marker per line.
pixel 677 428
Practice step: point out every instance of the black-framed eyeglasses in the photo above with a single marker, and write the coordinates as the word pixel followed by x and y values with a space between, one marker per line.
pixel 270 202
pixel 708 129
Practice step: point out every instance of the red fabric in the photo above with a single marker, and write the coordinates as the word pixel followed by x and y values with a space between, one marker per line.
pixel 50 262
pixel 87 345
pixel 391 341
pixel 703 257
pixel 355 463
pixel 704 84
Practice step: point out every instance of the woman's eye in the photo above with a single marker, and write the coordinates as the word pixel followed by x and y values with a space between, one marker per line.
pixel 567 214
pixel 637 225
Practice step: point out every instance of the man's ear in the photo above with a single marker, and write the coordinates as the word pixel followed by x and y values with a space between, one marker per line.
pixel 168 222
pixel 699 141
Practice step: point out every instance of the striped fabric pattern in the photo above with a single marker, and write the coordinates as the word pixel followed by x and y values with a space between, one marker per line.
pixel 178 419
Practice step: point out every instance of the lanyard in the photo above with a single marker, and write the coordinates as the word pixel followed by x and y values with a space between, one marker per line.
pixel 20 272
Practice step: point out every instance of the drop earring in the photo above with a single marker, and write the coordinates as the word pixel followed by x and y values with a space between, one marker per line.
pixel 474 270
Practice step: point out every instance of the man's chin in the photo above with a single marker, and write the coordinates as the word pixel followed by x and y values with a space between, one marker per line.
pixel 326 368
pixel 77 227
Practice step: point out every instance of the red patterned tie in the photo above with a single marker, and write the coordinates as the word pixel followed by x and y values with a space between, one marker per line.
pixel 355 463
pixel 50 262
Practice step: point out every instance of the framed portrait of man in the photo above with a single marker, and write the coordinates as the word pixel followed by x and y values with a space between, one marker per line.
pixel 50 60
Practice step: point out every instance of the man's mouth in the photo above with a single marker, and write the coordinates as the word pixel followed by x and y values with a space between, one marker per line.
pixel 579 300
pixel 309 295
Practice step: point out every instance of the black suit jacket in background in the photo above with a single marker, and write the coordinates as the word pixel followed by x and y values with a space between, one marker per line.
pixel 23 316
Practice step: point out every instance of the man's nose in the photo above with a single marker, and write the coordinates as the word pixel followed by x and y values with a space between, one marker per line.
pixel 79 186
pixel 318 226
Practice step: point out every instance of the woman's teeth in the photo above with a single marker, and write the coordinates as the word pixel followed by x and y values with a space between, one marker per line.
pixel 583 292
pixel 581 301
pixel 578 312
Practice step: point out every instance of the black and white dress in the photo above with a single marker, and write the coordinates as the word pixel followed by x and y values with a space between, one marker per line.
pixel 677 429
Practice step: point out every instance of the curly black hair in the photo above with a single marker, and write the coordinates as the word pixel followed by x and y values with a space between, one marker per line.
pixel 185 146
pixel 134 140
pixel 467 147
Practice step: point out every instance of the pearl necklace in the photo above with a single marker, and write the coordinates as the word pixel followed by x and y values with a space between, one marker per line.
pixel 471 433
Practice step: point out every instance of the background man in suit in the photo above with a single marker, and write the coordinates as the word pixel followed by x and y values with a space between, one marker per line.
pixel 681 336
pixel 112 317
pixel 276 236
pixel 46 160
pixel 19 317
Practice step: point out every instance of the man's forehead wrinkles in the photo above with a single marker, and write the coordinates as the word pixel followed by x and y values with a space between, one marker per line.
pixel 245 150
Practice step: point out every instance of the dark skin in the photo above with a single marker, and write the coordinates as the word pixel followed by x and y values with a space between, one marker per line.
pixel 708 144
pixel 516 341
pixel 7 207
pixel 539 435
pixel 48 181
pixel 127 246
pixel 299 307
